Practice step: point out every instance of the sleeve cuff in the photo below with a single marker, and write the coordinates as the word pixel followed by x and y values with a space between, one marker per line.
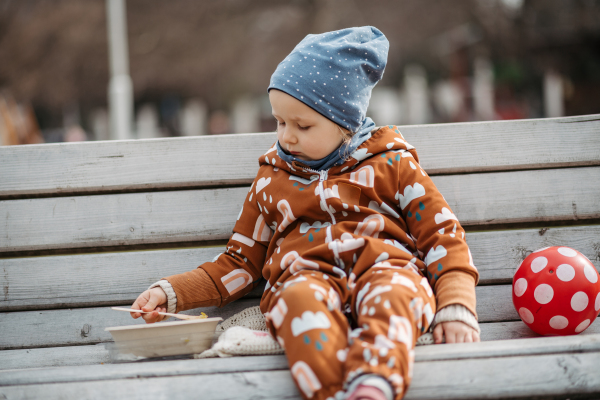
pixel 171 296
pixel 456 312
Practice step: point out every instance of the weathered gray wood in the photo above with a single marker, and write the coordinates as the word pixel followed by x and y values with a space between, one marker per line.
pixel 502 348
pixel 501 333
pixel 51 357
pixel 113 220
pixel 243 385
pixel 146 370
pixel 498 254
pixel 587 342
pixel 494 303
pixel 117 278
pixel 548 376
pixel 194 162
pixel 91 279
pixel 531 377
pixel 131 164
pixel 518 330
pixel 569 194
pixel 81 326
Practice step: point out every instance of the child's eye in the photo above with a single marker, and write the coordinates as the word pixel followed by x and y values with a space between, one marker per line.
pixel 303 127
pixel 280 123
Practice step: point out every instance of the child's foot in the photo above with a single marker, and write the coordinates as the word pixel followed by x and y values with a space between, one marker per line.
pixel 364 392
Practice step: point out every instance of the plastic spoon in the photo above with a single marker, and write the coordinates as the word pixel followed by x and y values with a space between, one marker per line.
pixel 180 316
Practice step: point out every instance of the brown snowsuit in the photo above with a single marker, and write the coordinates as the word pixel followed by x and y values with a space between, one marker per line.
pixel 369 238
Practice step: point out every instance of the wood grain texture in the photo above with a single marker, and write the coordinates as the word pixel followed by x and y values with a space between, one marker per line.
pixel 65 356
pixel 207 160
pixel 498 254
pixel 118 278
pixel 569 194
pixel 96 354
pixel 518 330
pixel 81 326
pixel 548 376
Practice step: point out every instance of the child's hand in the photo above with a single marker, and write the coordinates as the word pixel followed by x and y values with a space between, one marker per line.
pixel 153 299
pixel 455 332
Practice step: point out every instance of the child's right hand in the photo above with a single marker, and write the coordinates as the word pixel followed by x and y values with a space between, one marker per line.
pixel 155 300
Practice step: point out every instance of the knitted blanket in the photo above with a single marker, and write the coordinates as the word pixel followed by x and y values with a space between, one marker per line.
pixel 246 334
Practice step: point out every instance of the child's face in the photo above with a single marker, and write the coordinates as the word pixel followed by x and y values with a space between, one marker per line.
pixel 302 131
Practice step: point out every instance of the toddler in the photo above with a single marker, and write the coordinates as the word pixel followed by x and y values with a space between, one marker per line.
pixel 348 230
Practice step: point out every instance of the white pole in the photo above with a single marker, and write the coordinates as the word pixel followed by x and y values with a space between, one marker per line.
pixel 483 90
pixel 120 88
pixel 553 95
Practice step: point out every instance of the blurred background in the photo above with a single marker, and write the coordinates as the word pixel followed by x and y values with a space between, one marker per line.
pixel 193 67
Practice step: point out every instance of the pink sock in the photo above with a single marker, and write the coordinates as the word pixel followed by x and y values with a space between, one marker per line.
pixel 364 392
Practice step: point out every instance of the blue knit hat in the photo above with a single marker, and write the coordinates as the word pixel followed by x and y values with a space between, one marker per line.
pixel 334 74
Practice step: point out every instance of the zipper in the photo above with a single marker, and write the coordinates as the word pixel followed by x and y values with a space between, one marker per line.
pixel 322 178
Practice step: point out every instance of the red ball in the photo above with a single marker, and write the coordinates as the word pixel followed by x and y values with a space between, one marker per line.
pixel 556 291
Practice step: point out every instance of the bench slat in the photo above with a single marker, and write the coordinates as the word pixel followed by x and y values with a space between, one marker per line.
pixel 118 278
pixel 200 161
pixel 501 333
pixel 551 376
pixel 81 326
pixel 502 348
pixel 26 329
pixel 569 194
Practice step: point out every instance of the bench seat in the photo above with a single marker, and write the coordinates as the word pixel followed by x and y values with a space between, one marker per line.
pixel 91 225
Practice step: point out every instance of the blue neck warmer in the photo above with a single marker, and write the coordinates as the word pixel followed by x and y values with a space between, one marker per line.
pixel 334 74
pixel 339 155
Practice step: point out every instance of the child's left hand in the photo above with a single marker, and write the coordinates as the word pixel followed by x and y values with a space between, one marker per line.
pixel 455 332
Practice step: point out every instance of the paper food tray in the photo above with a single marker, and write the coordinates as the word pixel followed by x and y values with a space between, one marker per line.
pixel 162 339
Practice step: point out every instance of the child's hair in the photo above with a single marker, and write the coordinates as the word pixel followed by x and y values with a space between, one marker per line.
pixel 346 139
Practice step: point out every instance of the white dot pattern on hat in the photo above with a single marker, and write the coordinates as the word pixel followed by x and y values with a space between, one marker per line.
pixel 367 41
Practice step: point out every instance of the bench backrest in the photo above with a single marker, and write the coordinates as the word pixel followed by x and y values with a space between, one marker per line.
pixel 86 225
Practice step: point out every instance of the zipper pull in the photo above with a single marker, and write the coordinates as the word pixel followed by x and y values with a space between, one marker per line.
pixel 322 176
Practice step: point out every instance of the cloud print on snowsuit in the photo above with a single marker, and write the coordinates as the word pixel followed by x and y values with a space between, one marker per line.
pixel 309 321
pixel 410 193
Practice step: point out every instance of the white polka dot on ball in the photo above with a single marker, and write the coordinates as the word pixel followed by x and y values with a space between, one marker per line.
pixel 590 273
pixel 597 304
pixel 559 322
pixel 579 301
pixel 526 315
pixel 582 326
pixel 520 287
pixel 567 252
pixel 543 294
pixel 565 272
pixel 539 264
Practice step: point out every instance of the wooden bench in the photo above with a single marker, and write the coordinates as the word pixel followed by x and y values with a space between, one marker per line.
pixel 84 226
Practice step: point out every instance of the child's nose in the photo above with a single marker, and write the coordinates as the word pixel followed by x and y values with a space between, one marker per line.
pixel 288 136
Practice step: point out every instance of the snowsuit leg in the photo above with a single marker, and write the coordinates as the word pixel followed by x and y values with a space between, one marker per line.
pixel 392 307
pixel 306 318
